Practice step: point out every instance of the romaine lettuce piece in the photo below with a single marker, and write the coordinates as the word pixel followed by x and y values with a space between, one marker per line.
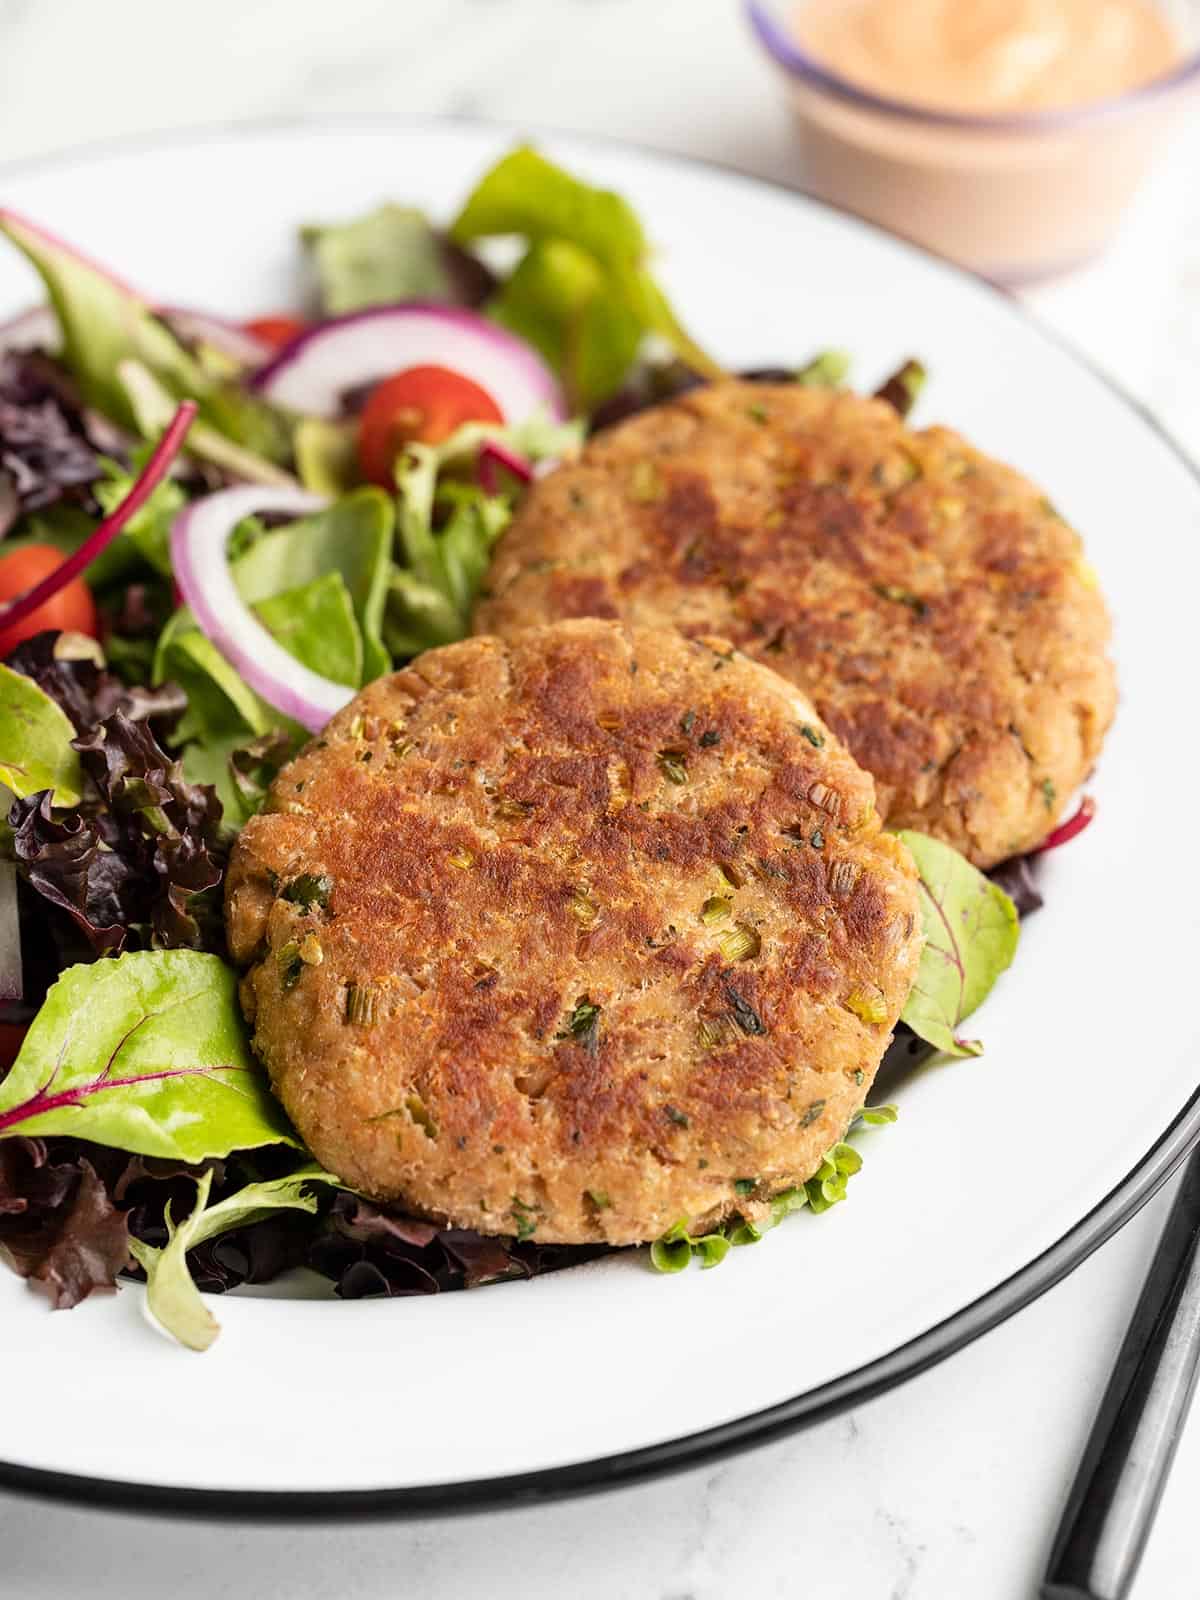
pixel 390 254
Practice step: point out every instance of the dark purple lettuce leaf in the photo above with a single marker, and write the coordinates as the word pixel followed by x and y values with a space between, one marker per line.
pixel 59 1224
pixel 87 693
pixel 169 827
pixel 364 1279
pixel 137 864
pixel 365 1251
pixel 482 1260
pixel 89 1249
pixel 139 611
pixel 48 452
pixel 29 1181
pixel 61 859
pixel 68 1208
pixel 648 384
pixel 362 1222
pixel 651 383
pixel 257 1254
pixel 472 281
pixel 1018 879
pixel 157 1171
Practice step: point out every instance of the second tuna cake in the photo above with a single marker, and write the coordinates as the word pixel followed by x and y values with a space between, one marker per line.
pixel 929 599
pixel 573 936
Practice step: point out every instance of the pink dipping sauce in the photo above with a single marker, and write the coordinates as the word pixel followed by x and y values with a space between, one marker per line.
pixel 979 145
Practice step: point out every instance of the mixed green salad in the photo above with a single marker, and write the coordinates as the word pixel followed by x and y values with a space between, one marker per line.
pixel 212 535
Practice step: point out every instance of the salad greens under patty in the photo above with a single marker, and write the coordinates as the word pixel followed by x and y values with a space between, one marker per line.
pixel 227 596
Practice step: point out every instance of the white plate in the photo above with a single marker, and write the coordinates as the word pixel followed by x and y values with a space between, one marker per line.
pixel 1002 1172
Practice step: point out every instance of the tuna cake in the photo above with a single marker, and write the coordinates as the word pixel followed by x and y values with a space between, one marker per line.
pixel 566 936
pixel 930 600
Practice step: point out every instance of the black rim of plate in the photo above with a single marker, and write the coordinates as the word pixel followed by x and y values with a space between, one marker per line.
pixel 760 1427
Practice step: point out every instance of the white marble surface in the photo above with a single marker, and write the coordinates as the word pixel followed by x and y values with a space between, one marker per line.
pixel 947 1489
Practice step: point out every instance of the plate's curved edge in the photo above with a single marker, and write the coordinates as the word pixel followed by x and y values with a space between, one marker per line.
pixel 652 1461
pixel 692 1450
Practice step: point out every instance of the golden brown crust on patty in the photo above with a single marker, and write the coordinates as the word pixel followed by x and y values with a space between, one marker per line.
pixel 929 599
pixel 514 834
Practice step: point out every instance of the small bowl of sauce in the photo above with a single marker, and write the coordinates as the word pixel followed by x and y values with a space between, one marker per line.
pixel 1009 135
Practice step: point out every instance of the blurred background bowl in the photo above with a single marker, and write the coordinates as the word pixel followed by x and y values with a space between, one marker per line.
pixel 1016 197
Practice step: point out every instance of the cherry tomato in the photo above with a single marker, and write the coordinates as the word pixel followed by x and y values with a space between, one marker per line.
pixel 423 405
pixel 71 609
pixel 276 331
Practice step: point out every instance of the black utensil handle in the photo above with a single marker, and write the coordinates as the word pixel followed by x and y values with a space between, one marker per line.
pixel 1124 1467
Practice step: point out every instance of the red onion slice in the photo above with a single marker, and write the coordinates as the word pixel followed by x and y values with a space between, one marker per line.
pixel 312 373
pixel 198 554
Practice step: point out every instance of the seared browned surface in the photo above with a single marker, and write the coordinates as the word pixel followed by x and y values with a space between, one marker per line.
pixel 516 833
pixel 929 599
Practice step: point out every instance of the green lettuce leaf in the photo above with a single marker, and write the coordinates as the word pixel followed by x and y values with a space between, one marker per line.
pixel 971 934
pixel 130 656
pixel 171 1296
pixel 151 404
pixel 675 1249
pixel 418 616
pixel 223 712
pixel 35 742
pixel 320 586
pixel 430 602
pixel 558 300
pixel 315 623
pixel 352 537
pixel 146 1053
pixel 390 254
pixel 327 455
pixel 536 437
pixel 106 327
pixel 149 529
pixel 579 305
pixel 828 369
pixel 231 763
pixel 527 195
pixel 220 701
pixel 103 323
pixel 473 523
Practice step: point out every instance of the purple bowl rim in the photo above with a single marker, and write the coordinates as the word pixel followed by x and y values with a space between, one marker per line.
pixel 788 55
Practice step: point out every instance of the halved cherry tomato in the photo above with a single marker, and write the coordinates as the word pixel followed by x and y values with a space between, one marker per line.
pixel 72 609
pixel 276 331
pixel 421 406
